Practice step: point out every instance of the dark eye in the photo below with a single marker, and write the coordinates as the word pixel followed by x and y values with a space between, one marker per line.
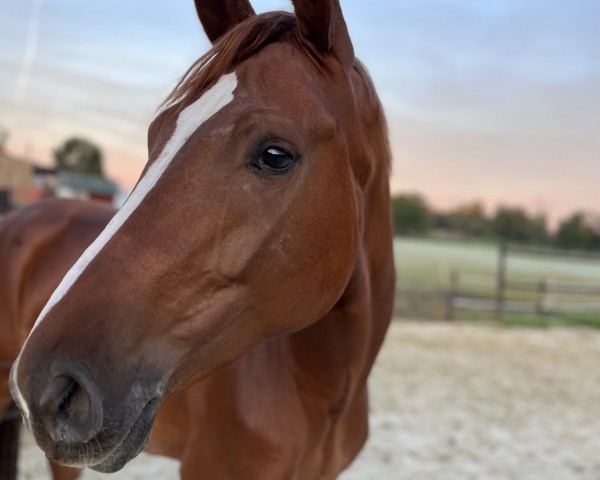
pixel 275 160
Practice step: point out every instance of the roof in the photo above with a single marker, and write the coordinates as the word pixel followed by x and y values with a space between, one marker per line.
pixel 94 184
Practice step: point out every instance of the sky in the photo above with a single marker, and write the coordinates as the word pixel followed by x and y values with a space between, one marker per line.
pixel 496 100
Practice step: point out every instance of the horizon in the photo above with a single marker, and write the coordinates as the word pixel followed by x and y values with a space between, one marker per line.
pixel 497 102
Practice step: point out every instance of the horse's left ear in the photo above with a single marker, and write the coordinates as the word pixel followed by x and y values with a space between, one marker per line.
pixel 321 22
pixel 218 16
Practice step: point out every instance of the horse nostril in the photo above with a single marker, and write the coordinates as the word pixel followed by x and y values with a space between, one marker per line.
pixel 70 411
pixel 66 407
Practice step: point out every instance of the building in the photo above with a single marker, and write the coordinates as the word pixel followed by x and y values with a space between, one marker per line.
pixel 14 174
pixel 22 183
pixel 84 186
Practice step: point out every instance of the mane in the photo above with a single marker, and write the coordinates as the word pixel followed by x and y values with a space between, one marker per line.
pixel 240 43
pixel 372 111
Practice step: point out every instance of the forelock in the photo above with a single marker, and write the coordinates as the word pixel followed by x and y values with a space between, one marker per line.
pixel 240 43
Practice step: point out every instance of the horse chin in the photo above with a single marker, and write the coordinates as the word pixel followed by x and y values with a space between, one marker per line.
pixel 133 443
pixel 101 454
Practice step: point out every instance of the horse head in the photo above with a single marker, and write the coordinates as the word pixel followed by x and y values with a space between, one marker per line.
pixel 246 223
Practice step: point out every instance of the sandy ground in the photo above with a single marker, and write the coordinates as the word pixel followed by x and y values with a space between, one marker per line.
pixel 463 401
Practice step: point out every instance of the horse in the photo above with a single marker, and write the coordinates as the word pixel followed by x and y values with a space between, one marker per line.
pixel 38 245
pixel 230 312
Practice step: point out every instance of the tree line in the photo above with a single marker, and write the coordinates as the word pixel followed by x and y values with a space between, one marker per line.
pixel 79 155
pixel 412 215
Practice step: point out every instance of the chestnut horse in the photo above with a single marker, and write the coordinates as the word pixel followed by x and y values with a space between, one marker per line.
pixel 38 245
pixel 246 285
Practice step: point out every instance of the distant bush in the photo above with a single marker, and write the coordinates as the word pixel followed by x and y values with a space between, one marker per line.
pixel 470 220
pixel 411 215
pixel 513 224
pixel 579 231
pixel 79 155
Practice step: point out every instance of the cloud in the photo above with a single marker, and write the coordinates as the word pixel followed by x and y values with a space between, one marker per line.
pixel 33 29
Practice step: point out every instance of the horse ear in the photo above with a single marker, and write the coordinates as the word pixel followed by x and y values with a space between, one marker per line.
pixel 321 22
pixel 218 16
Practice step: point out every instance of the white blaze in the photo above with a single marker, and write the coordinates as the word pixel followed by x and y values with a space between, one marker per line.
pixel 189 120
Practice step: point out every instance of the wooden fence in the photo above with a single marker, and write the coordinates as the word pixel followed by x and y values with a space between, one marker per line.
pixel 532 297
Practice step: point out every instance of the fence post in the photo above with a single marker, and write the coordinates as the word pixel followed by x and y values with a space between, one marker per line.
pixel 541 296
pixel 452 294
pixel 501 281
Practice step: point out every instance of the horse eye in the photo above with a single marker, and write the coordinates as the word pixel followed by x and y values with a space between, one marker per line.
pixel 275 160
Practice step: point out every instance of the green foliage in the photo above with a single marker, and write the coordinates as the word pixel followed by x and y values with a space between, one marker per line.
pixel 539 230
pixel 514 225
pixel 411 215
pixel 79 155
pixel 578 232
pixel 508 224
pixel 536 321
pixel 470 220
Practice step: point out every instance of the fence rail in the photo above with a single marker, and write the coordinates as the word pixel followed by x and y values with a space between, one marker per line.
pixel 540 303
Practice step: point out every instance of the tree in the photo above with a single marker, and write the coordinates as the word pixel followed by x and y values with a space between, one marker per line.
pixel 411 215
pixel 513 224
pixel 79 155
pixel 577 232
pixel 539 229
pixel 594 223
pixel 470 219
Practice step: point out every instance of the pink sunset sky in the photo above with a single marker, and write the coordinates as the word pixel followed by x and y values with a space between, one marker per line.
pixel 497 101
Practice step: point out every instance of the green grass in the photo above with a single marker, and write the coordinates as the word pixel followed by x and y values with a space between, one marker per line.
pixel 428 262
pixel 585 320
pixel 425 265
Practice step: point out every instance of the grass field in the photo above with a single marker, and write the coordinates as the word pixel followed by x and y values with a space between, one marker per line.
pixel 428 263
pixel 424 267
